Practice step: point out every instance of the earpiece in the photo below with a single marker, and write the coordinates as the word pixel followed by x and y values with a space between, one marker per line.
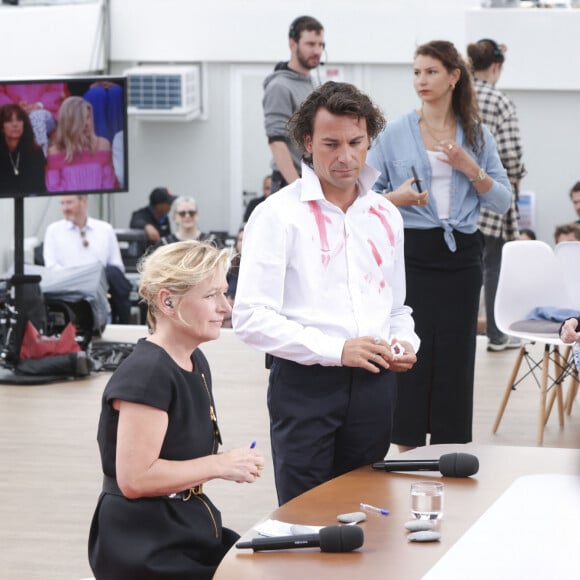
pixel 169 302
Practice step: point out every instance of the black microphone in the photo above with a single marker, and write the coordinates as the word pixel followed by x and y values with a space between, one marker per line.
pixel 329 539
pixel 450 465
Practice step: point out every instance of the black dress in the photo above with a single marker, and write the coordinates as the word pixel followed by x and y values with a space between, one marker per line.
pixel 22 172
pixel 159 537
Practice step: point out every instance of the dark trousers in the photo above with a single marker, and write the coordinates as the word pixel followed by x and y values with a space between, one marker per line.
pixel 491 267
pixel 326 421
pixel 120 290
pixel 443 288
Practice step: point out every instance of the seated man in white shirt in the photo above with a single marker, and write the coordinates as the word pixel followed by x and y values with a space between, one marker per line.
pixel 79 239
pixel 322 289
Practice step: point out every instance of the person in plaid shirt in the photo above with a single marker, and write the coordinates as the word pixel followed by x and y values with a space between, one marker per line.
pixel 499 114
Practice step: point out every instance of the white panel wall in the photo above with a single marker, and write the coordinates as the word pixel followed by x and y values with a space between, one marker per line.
pixel 357 31
pixel 51 40
pixel 543 50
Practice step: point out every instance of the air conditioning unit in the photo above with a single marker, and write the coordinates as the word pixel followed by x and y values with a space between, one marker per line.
pixel 165 92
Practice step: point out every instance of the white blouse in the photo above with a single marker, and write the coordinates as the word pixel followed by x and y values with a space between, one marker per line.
pixel 440 183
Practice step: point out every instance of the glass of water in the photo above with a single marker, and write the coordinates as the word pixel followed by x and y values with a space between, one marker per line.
pixel 427 500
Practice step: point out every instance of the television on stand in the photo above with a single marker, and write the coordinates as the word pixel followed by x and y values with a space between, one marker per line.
pixel 58 136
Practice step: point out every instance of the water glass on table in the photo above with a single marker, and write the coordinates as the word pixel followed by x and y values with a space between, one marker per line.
pixel 427 500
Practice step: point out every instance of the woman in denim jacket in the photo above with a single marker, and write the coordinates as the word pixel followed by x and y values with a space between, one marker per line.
pixel 439 165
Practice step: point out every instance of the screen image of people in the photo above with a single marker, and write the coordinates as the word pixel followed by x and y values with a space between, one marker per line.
pixel 62 137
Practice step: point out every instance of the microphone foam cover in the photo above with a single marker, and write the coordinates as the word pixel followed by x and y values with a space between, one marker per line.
pixel 340 538
pixel 458 464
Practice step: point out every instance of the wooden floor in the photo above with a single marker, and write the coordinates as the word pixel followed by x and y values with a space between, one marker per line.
pixel 50 475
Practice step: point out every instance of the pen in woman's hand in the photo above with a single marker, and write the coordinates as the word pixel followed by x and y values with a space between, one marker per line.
pixel 417 180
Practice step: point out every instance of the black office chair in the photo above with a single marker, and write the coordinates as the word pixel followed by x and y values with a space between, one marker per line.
pixel 133 244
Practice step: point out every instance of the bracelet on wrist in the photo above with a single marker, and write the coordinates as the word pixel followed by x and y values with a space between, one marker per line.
pixel 481 175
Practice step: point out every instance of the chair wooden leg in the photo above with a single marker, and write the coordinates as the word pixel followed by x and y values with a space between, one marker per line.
pixel 509 388
pixel 572 392
pixel 560 405
pixel 560 362
pixel 565 362
pixel 555 394
pixel 543 394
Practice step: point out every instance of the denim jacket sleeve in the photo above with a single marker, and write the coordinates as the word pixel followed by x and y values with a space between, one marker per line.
pixel 498 197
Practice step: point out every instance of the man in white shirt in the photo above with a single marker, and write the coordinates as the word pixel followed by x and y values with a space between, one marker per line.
pixel 78 240
pixel 322 289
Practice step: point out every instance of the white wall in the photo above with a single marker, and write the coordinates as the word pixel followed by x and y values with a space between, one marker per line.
pixel 371 42
pixel 357 31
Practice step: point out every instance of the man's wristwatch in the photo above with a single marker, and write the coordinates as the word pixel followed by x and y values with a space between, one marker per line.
pixel 481 175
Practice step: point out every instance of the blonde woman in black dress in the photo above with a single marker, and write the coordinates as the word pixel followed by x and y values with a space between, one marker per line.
pixel 158 433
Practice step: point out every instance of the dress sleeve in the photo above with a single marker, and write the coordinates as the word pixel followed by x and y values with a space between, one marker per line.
pixel 145 377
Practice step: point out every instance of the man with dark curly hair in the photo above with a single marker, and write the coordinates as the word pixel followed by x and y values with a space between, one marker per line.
pixel 322 289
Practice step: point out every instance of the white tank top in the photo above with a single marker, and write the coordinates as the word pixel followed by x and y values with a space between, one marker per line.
pixel 440 183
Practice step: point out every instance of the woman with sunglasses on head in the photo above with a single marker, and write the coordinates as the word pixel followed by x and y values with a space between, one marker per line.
pixel 440 165
pixel 158 433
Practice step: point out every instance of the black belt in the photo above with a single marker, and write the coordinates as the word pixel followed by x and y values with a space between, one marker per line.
pixel 110 486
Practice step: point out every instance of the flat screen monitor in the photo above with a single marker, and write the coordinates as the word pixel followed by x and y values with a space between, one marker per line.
pixel 63 136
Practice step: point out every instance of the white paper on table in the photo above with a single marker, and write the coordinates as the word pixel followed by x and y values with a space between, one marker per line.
pixel 531 531
pixel 275 528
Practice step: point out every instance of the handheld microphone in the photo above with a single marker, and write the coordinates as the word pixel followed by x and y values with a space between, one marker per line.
pixel 450 465
pixel 329 539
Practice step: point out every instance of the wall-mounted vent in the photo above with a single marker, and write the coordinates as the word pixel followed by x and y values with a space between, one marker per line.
pixel 165 93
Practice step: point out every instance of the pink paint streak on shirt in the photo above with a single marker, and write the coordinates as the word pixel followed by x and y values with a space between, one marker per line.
pixel 383 219
pixel 321 221
pixel 376 253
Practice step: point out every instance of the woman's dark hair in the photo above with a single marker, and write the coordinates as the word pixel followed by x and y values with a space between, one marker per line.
pixel 464 101
pixel 338 99
pixel 27 142
pixel 485 52
pixel 528 232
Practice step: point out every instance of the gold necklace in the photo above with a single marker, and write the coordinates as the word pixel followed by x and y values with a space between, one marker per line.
pixel 217 439
pixel 430 129
pixel 15 166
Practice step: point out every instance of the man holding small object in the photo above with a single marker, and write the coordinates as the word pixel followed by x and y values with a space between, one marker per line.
pixel 322 288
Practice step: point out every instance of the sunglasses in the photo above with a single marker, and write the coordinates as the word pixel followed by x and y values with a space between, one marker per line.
pixel 84 237
pixel 189 212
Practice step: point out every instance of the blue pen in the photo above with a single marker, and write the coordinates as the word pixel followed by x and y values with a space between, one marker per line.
pixel 252 444
pixel 372 508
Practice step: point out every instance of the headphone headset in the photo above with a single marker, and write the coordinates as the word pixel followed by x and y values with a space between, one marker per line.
pixel 497 52
pixel 169 303
pixel 292 31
